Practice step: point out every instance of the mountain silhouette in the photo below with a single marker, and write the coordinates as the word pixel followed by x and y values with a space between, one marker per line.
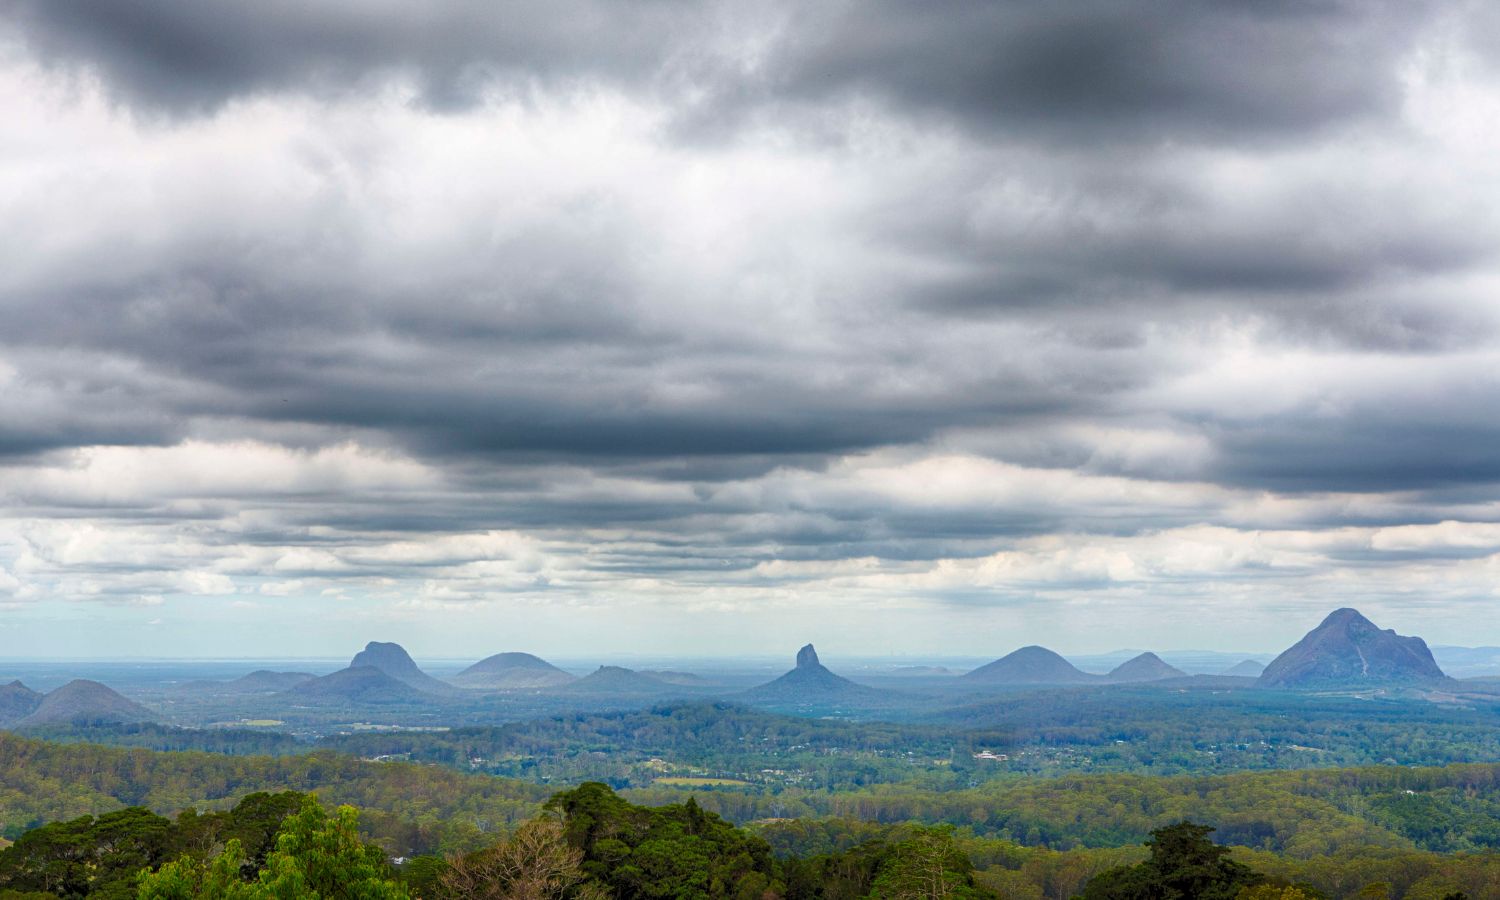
pixel 84 702
pixel 17 701
pixel 810 682
pixel 1247 668
pixel 1146 667
pixel 619 680
pixel 1347 649
pixel 1030 665
pixel 360 685
pixel 512 671
pixel 393 660
pixel 261 681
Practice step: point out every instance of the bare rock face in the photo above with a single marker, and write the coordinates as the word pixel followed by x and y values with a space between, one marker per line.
pixel 1349 650
pixel 393 660
pixel 807 657
pixel 810 682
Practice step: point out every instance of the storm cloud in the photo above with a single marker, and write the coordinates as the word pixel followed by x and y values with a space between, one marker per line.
pixel 1001 314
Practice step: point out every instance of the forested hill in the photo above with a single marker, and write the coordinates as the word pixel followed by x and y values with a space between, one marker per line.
pixel 409 808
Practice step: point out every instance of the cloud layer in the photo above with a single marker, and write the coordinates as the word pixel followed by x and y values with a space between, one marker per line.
pixel 927 330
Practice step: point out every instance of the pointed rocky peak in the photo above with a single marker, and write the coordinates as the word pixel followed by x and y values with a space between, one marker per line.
pixel 810 682
pixel 807 657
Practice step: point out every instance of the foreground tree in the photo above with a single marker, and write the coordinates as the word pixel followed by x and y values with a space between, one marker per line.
pixel 317 857
pixel 536 863
pixel 1184 865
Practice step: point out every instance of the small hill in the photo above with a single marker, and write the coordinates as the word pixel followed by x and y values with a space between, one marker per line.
pixel 17 701
pixel 1030 665
pixel 682 679
pixel 1146 667
pixel 1348 650
pixel 618 680
pixel 512 671
pixel 923 671
pixel 266 681
pixel 261 681
pixel 356 685
pixel 83 702
pixel 810 683
pixel 393 660
pixel 1245 669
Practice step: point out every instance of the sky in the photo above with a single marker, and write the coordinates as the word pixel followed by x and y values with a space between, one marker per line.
pixel 592 327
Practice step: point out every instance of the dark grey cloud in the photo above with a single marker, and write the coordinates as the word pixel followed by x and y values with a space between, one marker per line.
pixel 1111 69
pixel 1106 70
pixel 195 57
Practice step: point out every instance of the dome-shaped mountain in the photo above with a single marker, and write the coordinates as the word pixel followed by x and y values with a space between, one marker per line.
pixel 83 702
pixel 512 671
pixel 810 683
pixel 364 685
pixel 17 701
pixel 1349 650
pixel 1030 665
pixel 1146 667
pixel 1247 668
pixel 393 660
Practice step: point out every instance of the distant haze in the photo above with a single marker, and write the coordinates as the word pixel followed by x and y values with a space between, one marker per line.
pixel 593 329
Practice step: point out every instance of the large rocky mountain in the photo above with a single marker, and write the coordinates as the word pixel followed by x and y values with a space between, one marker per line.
pixel 810 683
pixel 17 701
pixel 1146 667
pixel 393 660
pixel 1030 665
pixel 82 702
pixel 360 685
pixel 1347 650
pixel 512 671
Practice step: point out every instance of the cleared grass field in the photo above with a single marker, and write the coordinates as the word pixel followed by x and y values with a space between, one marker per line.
pixel 684 781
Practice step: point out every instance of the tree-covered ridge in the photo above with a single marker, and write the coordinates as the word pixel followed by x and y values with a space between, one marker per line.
pixel 408 808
